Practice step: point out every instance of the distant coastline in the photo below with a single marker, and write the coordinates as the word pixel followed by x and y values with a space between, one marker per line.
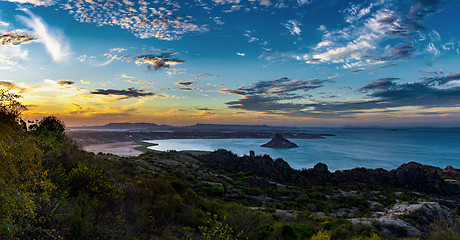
pixel 137 132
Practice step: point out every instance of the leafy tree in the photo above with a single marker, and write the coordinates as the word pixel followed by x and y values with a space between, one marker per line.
pixel 51 124
pixel 10 108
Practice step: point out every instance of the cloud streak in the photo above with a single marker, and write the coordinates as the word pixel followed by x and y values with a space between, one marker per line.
pixel 53 44
pixel 125 93
pixel 34 2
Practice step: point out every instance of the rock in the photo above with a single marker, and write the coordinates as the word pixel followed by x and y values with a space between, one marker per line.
pixel 450 173
pixel 420 177
pixel 321 168
pixel 279 142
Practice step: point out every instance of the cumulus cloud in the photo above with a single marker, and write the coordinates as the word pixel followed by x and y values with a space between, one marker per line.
pixel 53 42
pixel 377 33
pixel 125 93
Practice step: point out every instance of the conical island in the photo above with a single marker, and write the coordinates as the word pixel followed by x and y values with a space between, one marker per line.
pixel 279 141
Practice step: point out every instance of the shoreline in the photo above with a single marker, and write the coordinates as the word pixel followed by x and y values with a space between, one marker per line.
pixel 122 149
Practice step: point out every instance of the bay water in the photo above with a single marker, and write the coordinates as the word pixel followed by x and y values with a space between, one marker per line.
pixel 349 148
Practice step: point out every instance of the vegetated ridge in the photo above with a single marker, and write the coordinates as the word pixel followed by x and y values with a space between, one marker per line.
pixel 51 189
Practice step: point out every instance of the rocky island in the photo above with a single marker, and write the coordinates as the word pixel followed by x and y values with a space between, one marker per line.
pixel 279 141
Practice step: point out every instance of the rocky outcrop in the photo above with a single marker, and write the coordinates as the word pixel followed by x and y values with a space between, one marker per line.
pixel 420 177
pixel 279 141
pixel 402 218
pixel 413 176
pixel 450 173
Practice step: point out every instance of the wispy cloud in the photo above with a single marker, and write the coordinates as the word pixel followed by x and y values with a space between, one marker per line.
pixel 278 87
pixel 139 82
pixel 53 42
pixel 34 2
pixel 195 79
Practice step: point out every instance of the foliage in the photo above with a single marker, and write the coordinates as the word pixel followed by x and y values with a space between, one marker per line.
pixel 24 186
pixel 216 230
pixel 445 229
pixel 49 124
pixel 10 108
pixel 321 236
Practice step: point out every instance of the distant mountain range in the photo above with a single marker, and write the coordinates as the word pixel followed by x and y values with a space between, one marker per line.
pixel 155 127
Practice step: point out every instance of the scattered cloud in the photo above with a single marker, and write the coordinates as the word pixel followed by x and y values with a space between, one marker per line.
pixel 17 37
pixel 10 85
pixel 126 76
pixel 385 94
pixel 187 89
pixel 157 62
pixel 205 109
pixel 118 50
pixel 278 87
pixel 196 78
pixel 65 82
pixel 240 54
pixel 145 19
pixel 86 82
pixel 293 26
pixel 184 83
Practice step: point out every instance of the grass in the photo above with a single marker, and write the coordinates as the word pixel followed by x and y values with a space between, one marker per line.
pixel 144 147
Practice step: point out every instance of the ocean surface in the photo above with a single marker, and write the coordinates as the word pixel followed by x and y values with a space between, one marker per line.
pixel 350 148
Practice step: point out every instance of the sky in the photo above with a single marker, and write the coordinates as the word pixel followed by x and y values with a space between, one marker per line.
pixel 275 62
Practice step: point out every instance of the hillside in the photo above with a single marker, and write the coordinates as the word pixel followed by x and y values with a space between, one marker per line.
pixel 51 189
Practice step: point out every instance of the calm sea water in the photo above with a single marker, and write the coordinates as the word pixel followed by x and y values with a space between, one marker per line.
pixel 350 148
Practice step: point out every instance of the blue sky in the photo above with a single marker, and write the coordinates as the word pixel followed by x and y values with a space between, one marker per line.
pixel 277 62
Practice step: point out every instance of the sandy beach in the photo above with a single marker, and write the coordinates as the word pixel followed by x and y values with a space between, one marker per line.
pixel 123 149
